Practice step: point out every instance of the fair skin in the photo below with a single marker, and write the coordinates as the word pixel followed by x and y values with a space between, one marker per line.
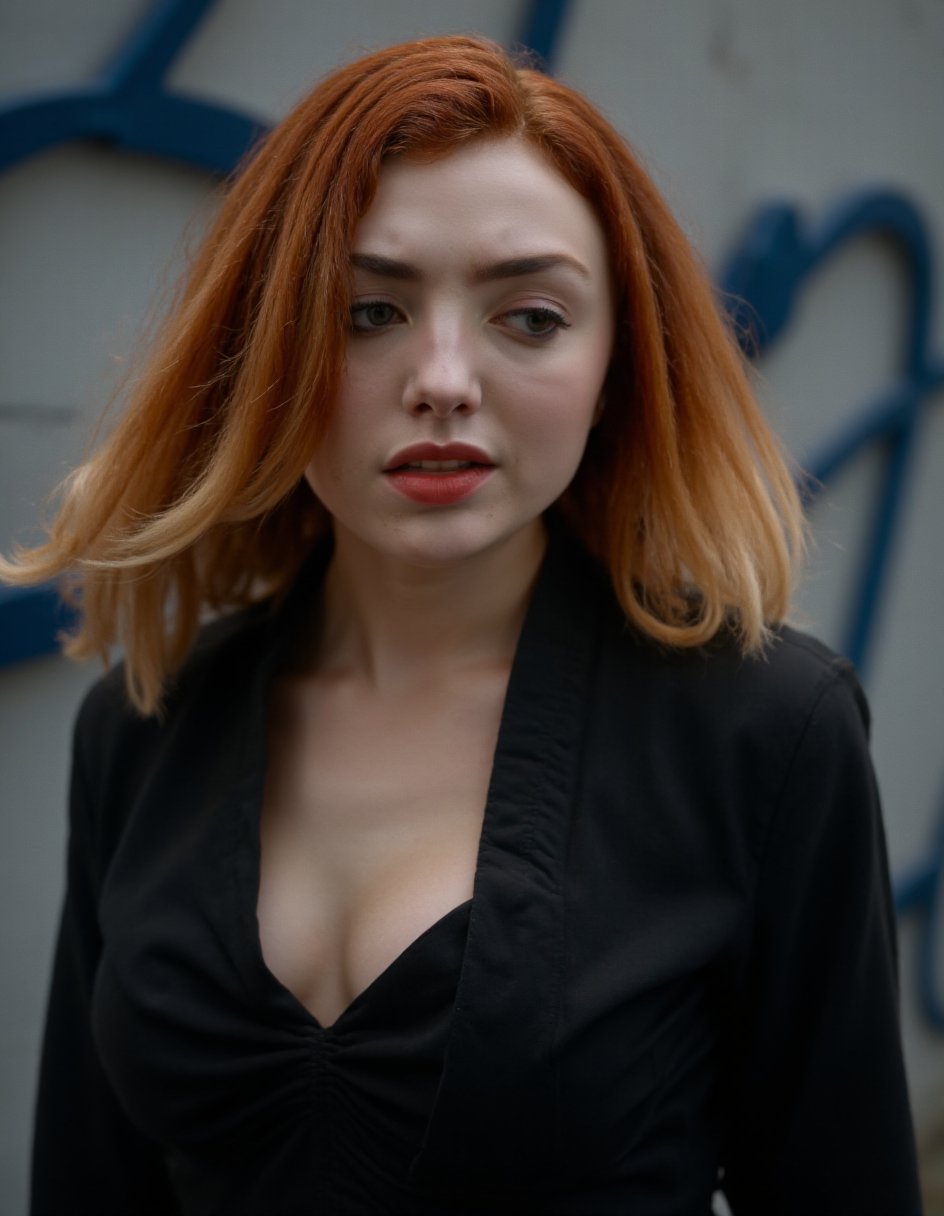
pixel 482 316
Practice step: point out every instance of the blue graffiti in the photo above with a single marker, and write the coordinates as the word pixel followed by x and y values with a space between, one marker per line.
pixel 542 28
pixel 128 106
pixel 125 105
pixel 764 279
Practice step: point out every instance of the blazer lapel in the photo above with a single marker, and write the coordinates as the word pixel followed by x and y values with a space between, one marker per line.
pixel 495 1117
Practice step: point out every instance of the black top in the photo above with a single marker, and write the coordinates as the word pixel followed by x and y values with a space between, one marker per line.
pixel 679 954
pixel 339 1113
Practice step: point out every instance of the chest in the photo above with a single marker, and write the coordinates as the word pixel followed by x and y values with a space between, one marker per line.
pixel 614 872
pixel 585 980
pixel 370 827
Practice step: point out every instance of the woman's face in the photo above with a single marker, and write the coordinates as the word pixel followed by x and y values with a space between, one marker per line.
pixel 481 330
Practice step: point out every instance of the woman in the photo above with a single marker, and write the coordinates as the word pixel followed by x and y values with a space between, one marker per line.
pixel 502 851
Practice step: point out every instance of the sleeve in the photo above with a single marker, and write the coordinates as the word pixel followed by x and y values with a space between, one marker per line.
pixel 87 1157
pixel 821 1121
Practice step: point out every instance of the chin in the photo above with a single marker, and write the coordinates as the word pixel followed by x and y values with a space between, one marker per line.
pixel 439 552
pixel 435 544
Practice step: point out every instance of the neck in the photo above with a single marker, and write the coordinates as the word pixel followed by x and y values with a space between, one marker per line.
pixel 395 624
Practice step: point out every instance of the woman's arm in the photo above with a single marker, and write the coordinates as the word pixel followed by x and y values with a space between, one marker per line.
pixel 821 1117
pixel 87 1157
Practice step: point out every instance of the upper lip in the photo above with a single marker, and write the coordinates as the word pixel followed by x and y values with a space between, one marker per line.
pixel 437 451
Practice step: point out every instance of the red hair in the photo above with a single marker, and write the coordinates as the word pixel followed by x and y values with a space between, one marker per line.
pixel 197 498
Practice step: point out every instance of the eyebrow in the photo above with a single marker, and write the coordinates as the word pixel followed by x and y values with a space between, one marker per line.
pixel 510 268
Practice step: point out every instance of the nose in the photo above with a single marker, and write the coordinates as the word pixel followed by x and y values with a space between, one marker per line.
pixel 442 379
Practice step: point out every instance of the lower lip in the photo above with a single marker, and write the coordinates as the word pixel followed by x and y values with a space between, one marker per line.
pixel 438 489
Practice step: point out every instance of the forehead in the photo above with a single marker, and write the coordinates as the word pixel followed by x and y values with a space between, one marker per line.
pixel 499 192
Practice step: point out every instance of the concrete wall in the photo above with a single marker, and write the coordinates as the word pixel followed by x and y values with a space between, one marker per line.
pixel 731 103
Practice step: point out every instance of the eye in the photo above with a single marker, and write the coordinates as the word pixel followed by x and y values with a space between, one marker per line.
pixel 540 323
pixel 373 316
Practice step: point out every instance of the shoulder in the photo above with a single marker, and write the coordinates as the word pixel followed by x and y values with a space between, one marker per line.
pixel 781 683
pixel 216 644
pixel 112 737
pixel 743 734
pixel 797 658
pixel 120 757
pixel 799 675
pixel 713 689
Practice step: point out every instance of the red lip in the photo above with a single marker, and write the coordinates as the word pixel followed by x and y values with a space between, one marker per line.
pixel 438 451
pixel 438 487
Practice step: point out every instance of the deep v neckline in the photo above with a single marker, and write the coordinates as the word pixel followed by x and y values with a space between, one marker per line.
pixel 258 749
pixel 372 993
pixel 498 1028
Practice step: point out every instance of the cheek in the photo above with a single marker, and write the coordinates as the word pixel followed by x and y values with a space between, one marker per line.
pixel 338 449
pixel 325 471
pixel 565 404
pixel 569 411
pixel 551 440
pixel 368 379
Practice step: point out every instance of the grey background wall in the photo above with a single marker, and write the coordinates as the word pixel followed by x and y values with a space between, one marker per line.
pixel 731 103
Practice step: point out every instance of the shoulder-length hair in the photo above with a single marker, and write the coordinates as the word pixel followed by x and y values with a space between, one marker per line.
pixel 197 498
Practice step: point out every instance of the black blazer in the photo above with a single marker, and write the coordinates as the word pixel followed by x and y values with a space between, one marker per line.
pixel 680 954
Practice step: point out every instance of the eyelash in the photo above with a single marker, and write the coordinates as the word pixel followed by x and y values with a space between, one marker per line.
pixel 543 312
pixel 362 308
